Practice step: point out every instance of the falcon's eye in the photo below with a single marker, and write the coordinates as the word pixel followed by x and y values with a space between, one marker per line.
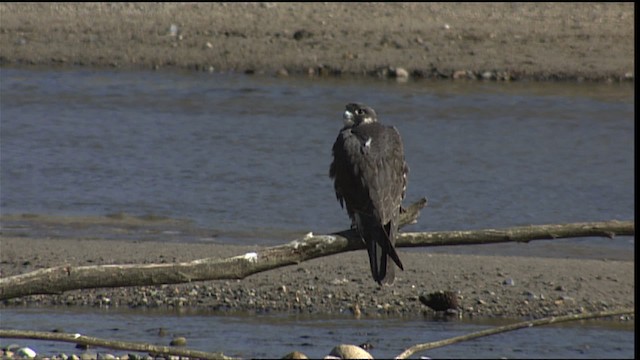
pixel 359 112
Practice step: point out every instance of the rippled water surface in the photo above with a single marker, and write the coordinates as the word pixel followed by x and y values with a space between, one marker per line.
pixel 273 336
pixel 245 160
pixel 246 157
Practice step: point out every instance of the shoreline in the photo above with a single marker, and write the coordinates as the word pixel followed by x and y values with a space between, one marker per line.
pixel 494 42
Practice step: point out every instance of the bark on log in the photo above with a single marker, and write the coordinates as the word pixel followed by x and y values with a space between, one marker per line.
pixel 517 234
pixel 64 278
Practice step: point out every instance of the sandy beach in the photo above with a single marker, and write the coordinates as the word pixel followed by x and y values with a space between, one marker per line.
pixel 486 286
pixel 496 41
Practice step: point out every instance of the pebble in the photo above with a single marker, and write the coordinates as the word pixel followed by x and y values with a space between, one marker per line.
pixel 356 310
pixel 25 352
pixel 440 300
pixel 504 76
pixel 346 351
pixel 295 355
pixel 342 281
pixel 509 282
pixel 459 74
pixel 400 73
pixel 488 75
pixel 173 30
pixel 88 356
pixel 302 34
pixel 178 341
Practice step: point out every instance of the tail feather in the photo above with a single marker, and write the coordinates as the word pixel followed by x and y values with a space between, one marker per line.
pixel 380 247
pixel 390 230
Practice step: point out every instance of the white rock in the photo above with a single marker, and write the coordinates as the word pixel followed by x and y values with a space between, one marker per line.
pixel 487 75
pixel 88 356
pixel 251 256
pixel 25 352
pixel 173 30
pixel 346 351
pixel 401 73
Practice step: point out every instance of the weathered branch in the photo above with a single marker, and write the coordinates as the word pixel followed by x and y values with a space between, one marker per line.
pixel 111 344
pixel 500 329
pixel 517 234
pixel 64 278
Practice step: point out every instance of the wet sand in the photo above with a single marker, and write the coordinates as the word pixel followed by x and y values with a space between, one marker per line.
pixel 503 41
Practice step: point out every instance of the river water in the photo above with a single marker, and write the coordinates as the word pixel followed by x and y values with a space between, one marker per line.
pixel 273 336
pixel 246 158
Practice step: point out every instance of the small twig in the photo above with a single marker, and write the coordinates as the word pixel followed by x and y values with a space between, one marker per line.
pixel 500 329
pixel 112 344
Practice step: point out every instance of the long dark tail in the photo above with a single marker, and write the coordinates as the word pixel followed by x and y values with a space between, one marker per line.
pixel 380 242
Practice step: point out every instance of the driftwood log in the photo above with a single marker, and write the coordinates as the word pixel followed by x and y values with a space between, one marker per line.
pixel 501 329
pixel 59 279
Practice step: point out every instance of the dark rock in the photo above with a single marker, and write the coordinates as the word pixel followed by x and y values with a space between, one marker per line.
pixel 302 34
pixel 441 300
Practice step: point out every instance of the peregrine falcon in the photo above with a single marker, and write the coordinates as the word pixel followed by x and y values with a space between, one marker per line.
pixel 370 177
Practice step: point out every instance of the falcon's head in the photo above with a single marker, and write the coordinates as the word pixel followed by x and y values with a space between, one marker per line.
pixel 356 114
